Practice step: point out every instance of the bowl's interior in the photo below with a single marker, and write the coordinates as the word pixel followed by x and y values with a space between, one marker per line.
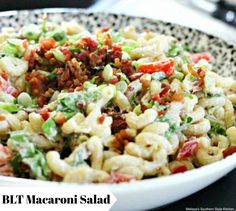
pixel 224 53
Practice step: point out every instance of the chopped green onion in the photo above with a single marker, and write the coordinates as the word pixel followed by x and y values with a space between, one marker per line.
pixel 178 75
pixel 137 110
pixel 24 99
pixel 31 32
pixel 74 49
pixel 174 50
pixel 190 96
pixel 59 35
pixel 121 86
pixel 125 56
pixel 9 49
pixel 158 76
pixel 59 55
pixel 107 73
pixel 10 107
pixel 52 76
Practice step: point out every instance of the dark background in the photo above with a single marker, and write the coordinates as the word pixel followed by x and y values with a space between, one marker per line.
pixel 221 194
pixel 36 4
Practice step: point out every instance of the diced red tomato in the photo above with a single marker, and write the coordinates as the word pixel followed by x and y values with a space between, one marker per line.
pixel 179 169
pixel 116 177
pixel 188 149
pixel 12 91
pixel 229 151
pixel 102 118
pixel 135 76
pixel 45 114
pixel 166 66
pixel 198 56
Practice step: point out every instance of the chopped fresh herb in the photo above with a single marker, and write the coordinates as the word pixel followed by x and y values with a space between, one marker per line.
pixel 210 95
pixel 173 127
pixel 187 120
pixel 216 129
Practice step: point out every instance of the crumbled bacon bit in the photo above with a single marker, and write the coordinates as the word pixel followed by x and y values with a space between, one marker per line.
pixel 145 83
pixel 25 44
pixel 60 118
pixel 127 68
pixel 42 101
pixel 37 81
pixel 5 157
pixel 118 124
pixel 116 177
pixel 114 52
pixel 89 44
pixel 177 96
pixel 47 44
pixel 107 40
pixel 121 140
pixel 165 90
pixel 2 117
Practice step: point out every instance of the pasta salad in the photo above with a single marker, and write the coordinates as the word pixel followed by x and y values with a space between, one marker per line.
pixel 109 107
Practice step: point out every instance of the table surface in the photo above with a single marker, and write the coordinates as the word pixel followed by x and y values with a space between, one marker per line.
pixel 221 194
